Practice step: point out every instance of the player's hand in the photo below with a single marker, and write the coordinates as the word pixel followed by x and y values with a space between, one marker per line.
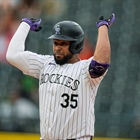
pixel 108 22
pixel 34 24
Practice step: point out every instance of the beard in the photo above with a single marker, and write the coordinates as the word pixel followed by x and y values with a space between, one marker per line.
pixel 64 60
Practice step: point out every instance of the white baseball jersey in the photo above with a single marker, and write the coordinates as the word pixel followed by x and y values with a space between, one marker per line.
pixel 66 93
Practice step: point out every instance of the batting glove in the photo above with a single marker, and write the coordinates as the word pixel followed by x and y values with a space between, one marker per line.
pixel 34 24
pixel 107 22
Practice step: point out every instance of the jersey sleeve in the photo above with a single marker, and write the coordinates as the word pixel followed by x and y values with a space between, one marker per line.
pixel 29 63
pixel 36 63
pixel 85 72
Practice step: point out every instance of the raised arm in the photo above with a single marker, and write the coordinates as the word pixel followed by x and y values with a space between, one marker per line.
pixel 16 54
pixel 101 58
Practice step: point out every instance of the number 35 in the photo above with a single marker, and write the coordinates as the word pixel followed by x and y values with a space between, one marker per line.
pixel 69 100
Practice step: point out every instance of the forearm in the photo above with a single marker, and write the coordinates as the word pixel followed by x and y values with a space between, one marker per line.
pixel 17 42
pixel 102 51
pixel 15 53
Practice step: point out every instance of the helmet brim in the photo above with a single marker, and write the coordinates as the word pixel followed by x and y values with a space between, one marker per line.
pixel 62 37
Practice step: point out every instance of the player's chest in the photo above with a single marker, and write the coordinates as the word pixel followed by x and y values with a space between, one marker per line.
pixel 63 76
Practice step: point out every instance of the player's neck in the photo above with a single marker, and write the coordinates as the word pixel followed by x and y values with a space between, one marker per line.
pixel 74 59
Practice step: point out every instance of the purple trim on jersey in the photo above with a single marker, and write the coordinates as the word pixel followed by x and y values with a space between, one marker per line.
pixel 97 69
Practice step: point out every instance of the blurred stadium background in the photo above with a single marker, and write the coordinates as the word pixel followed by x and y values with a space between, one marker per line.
pixel 117 106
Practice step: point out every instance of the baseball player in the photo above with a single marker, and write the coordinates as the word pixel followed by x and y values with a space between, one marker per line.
pixel 67 85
